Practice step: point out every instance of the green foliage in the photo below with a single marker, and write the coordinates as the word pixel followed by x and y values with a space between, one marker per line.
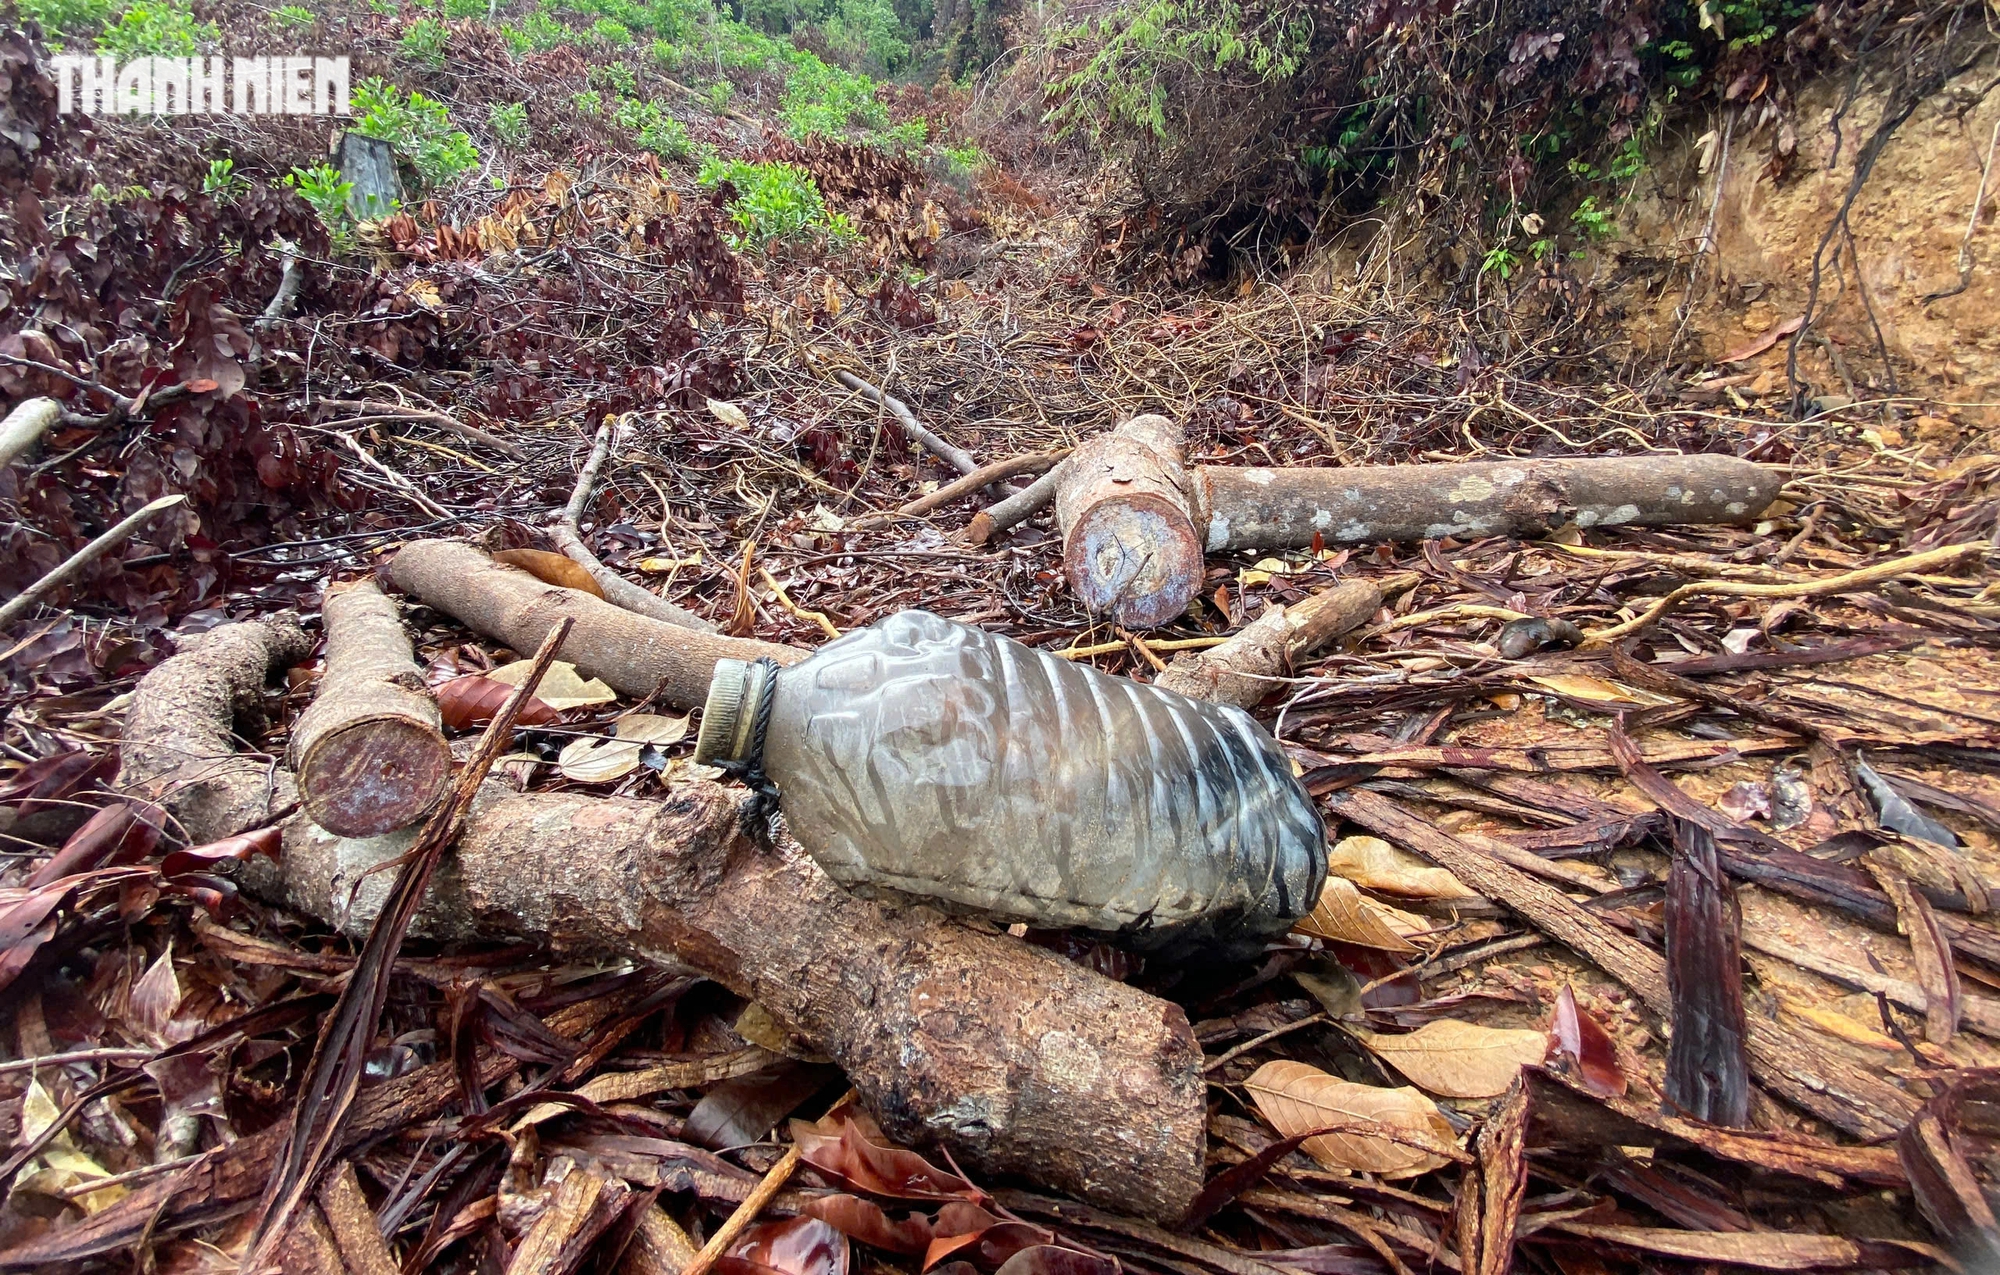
pixel 1744 24
pixel 323 188
pixel 537 32
pixel 657 131
pixel 223 182
pixel 827 100
pixel 963 162
pixel 417 128
pixel 619 76
pixel 1135 52
pixel 67 15
pixel 1595 223
pixel 510 124
pixel 774 202
pixel 458 10
pixel 612 32
pixel 589 102
pixel 869 32
pixel 1502 261
pixel 666 53
pixel 157 28
pixel 719 94
pixel 292 17
pixel 425 40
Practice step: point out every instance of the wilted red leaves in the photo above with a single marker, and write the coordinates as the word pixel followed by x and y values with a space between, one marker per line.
pixel 848 1146
pixel 795 1246
pixel 1577 1041
pixel 472 700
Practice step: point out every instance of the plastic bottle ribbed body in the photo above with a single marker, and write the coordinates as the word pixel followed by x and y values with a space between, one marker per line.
pixel 930 759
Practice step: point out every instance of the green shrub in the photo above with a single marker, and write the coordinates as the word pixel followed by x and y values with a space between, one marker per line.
pixel 666 53
pixel 773 202
pixel 614 33
pixel 417 128
pixel 537 32
pixel 656 131
pixel 425 40
pixel 223 182
pixel 619 76
pixel 961 163
pixel 1595 223
pixel 509 124
pixel 323 188
pixel 868 31
pixel 719 94
pixel 157 28
pixel 827 100
pixel 590 102
pixel 67 15
pixel 458 10
pixel 292 17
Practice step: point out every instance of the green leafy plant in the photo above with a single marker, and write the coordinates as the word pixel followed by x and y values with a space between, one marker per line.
pixel 869 32
pixel 67 15
pixel 826 100
pixel 157 28
pixel 292 17
pixel 418 129
pixel 425 40
pixel 537 32
pixel 1501 260
pixel 961 163
pixel 590 102
pixel 719 94
pixel 619 76
pixel 458 10
pixel 1595 223
pixel 612 32
pixel 774 202
pixel 323 187
pixel 666 53
pixel 223 182
pixel 510 124
pixel 657 131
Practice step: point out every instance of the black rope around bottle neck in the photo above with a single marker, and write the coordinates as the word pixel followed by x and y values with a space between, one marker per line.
pixel 759 815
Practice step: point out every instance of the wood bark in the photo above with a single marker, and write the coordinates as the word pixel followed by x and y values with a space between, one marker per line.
pixel 1131 548
pixel 1017 1060
pixel 25 425
pixel 370 752
pixel 1255 509
pixel 1240 672
pixel 1017 508
pixel 631 653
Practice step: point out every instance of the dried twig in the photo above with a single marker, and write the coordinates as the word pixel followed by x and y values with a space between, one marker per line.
pixel 616 588
pixel 20 603
pixel 379 410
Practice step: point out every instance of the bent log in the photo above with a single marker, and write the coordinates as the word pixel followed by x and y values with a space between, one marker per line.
pixel 633 654
pixel 1015 1059
pixel 1131 557
pixel 370 751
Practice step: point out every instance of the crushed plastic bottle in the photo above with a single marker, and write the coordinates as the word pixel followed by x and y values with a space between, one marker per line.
pixel 922 758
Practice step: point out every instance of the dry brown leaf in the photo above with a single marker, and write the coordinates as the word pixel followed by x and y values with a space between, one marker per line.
pixel 1343 915
pixel 561 687
pixel 550 568
pixel 599 760
pixel 1297 1098
pixel 729 414
pixel 1594 689
pixel 1459 1060
pixel 1374 864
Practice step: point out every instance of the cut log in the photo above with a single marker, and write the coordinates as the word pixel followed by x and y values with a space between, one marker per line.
pixel 370 751
pixel 1131 549
pixel 633 654
pixel 1134 518
pixel 1015 1059
pixel 1240 672
pixel 1255 509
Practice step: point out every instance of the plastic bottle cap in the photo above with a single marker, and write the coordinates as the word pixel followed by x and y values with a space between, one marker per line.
pixel 735 692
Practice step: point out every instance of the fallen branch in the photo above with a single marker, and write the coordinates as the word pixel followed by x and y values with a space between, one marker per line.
pixel 1241 671
pixel 21 603
pixel 915 430
pixel 634 654
pixel 1017 508
pixel 379 410
pixel 616 588
pixel 984 476
pixel 1846 582
pixel 1016 1059
pixel 25 425
pixel 282 300
pixel 370 752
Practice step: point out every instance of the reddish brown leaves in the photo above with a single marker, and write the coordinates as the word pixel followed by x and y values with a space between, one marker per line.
pixel 848 1145
pixel 118 834
pixel 1577 1041
pixel 471 701
pixel 866 1221
pixel 795 1246
pixel 264 841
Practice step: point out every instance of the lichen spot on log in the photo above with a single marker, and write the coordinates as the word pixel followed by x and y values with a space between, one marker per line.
pixel 1261 477
pixel 1218 532
pixel 1471 487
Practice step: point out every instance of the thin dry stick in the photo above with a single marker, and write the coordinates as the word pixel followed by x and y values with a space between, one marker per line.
pixel 745 1214
pixel 965 486
pixel 618 591
pixel 1867 577
pixel 1971 226
pixel 22 602
pixel 386 411
pixel 957 457
pixel 333 1078
pixel 1017 508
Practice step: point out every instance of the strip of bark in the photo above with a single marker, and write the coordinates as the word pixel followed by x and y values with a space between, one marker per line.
pixel 1786 1062
pixel 370 751
pixel 617 589
pixel 1929 952
pixel 1131 545
pixel 633 654
pixel 1017 1060
pixel 1708 1075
